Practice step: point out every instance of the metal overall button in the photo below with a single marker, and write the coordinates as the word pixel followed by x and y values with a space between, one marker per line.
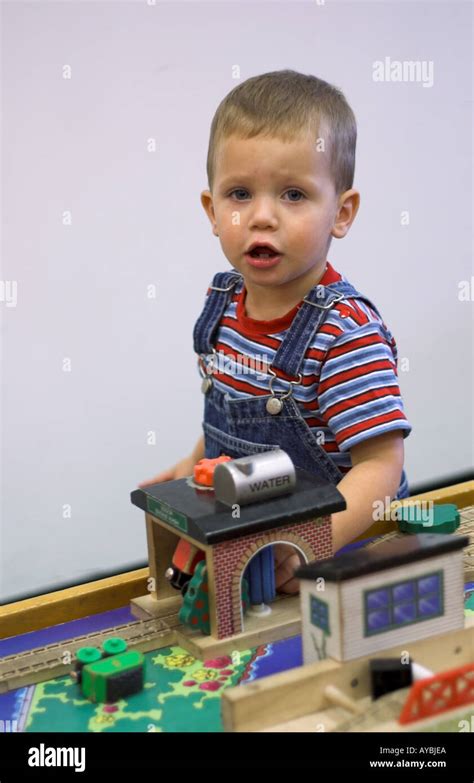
pixel 205 370
pixel 275 404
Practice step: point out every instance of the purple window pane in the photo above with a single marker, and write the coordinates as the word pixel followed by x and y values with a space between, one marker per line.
pixel 429 605
pixel 404 592
pixel 428 584
pixel 404 613
pixel 378 620
pixel 377 599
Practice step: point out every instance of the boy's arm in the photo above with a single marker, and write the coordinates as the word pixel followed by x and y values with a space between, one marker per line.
pixel 377 465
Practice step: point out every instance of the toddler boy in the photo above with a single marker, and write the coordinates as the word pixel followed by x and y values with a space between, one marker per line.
pixel 291 354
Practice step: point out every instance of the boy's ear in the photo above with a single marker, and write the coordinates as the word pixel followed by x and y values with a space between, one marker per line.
pixel 207 202
pixel 349 202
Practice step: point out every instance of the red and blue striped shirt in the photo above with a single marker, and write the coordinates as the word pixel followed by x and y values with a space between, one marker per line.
pixel 349 390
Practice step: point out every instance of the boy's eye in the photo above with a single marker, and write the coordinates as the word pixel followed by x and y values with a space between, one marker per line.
pixel 297 192
pixel 238 190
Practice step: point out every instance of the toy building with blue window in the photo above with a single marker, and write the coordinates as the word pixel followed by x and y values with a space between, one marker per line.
pixel 375 598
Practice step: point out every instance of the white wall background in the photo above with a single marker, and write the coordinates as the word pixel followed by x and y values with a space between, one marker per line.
pixel 78 439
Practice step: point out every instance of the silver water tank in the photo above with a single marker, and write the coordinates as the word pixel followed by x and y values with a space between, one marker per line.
pixel 254 478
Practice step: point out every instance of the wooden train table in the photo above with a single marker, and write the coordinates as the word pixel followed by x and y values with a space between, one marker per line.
pixel 39 637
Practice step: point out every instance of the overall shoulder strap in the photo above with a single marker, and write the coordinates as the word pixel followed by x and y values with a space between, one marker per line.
pixel 309 318
pixel 222 285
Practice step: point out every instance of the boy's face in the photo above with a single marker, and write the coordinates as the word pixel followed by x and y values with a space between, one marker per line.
pixel 269 191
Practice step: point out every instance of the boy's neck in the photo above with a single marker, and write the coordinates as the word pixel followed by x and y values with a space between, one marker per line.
pixel 264 303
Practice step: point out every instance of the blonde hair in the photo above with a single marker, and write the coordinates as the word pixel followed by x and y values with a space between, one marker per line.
pixel 285 104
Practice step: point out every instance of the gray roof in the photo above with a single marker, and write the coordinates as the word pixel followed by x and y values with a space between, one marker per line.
pixel 396 552
pixel 198 514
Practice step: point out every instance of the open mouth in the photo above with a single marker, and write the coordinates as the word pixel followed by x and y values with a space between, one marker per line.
pixel 263 251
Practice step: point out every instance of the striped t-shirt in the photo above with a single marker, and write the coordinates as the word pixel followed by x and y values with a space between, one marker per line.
pixel 349 389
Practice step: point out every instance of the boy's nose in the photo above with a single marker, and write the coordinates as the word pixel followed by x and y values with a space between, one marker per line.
pixel 264 213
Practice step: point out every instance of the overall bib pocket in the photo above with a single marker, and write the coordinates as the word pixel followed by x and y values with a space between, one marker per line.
pixel 289 429
pixel 218 442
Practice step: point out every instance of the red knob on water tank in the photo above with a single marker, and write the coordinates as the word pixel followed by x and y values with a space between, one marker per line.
pixel 204 469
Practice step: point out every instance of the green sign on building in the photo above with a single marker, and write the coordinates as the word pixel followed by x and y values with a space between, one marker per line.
pixel 158 508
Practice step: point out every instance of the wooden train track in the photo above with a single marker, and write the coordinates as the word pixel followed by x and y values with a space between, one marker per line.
pixel 466 528
pixel 56 660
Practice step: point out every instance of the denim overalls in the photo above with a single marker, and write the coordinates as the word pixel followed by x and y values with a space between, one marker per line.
pixel 239 427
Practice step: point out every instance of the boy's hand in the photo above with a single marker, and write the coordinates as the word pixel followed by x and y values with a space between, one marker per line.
pixel 182 469
pixel 286 562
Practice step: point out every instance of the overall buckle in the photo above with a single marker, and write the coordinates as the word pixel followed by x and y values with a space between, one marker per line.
pixel 237 278
pixel 206 370
pixel 274 404
pixel 337 298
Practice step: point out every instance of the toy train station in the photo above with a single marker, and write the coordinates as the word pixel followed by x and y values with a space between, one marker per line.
pixel 233 539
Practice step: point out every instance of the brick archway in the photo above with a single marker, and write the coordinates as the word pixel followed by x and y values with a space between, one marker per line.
pixel 295 543
pixel 311 538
